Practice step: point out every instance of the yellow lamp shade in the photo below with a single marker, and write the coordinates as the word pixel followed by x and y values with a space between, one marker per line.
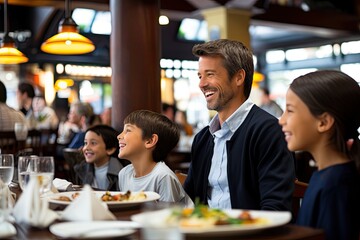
pixel 8 51
pixel 10 55
pixel 67 43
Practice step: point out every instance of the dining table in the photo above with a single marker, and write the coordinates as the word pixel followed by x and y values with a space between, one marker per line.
pixel 287 231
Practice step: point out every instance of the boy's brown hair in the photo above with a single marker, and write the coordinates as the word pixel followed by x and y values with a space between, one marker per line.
pixel 155 123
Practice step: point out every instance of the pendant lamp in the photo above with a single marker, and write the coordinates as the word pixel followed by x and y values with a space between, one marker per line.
pixel 68 41
pixel 8 52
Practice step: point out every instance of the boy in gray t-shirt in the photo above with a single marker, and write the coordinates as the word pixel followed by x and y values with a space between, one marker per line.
pixel 146 140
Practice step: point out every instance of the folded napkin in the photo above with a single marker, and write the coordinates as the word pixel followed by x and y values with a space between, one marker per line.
pixel 61 185
pixel 87 207
pixel 7 230
pixel 32 209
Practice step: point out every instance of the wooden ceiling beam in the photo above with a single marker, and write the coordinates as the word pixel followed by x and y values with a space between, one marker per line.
pixel 319 18
pixel 176 5
pixel 222 2
pixel 327 19
pixel 102 5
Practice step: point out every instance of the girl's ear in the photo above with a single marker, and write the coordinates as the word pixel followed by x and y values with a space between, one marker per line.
pixel 151 142
pixel 110 151
pixel 326 121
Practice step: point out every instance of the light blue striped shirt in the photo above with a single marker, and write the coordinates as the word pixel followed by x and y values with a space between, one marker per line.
pixel 218 192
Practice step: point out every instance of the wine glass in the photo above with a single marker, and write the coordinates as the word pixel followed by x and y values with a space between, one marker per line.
pixel 41 168
pixel 6 175
pixel 6 168
pixel 21 131
pixel 159 229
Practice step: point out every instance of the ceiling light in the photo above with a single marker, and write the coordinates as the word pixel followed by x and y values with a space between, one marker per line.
pixel 163 20
pixel 8 52
pixel 63 83
pixel 68 41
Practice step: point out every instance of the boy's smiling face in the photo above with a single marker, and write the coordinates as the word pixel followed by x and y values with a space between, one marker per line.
pixel 95 149
pixel 131 142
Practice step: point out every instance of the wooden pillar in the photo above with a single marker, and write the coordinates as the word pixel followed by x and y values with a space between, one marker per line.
pixel 134 57
pixel 228 24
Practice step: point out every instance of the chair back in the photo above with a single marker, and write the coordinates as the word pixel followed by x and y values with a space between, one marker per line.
pixel 9 144
pixel 33 141
pixel 178 160
pixel 298 195
pixel 42 142
pixel 72 157
pixel 48 141
pixel 181 176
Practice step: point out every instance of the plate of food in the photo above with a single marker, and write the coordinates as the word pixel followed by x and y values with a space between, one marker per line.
pixel 202 220
pixel 112 199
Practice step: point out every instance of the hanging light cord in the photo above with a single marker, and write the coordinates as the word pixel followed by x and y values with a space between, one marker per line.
pixel 5 17
pixel 9 53
pixel 67 7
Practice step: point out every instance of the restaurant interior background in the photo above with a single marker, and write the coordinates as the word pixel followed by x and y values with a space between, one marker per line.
pixel 288 38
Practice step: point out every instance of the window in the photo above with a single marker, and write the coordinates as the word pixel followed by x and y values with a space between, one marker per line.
pixel 350 47
pixel 91 21
pixel 83 18
pixel 102 23
pixel 309 53
pixel 352 70
pixel 192 30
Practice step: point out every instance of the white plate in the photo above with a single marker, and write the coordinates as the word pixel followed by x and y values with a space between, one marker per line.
pixel 274 219
pixel 150 196
pixel 94 229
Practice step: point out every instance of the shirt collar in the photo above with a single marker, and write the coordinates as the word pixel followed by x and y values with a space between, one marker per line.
pixel 235 120
pixel 102 167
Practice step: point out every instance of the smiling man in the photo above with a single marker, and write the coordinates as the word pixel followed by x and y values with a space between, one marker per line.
pixel 240 160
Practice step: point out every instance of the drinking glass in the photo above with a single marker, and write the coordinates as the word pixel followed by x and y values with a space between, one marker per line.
pixel 6 168
pixel 5 204
pixel 41 168
pixel 158 228
pixel 21 131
